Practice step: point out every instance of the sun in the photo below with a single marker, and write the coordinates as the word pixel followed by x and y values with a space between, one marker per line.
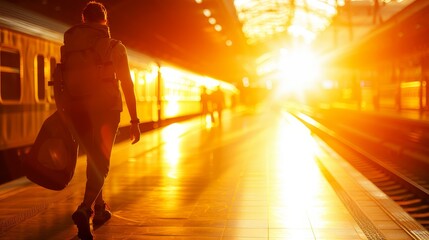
pixel 298 70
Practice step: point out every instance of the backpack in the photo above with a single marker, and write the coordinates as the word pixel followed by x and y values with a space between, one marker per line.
pixel 88 76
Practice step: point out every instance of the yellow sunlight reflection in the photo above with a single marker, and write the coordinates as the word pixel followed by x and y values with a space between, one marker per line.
pixel 172 148
pixel 296 172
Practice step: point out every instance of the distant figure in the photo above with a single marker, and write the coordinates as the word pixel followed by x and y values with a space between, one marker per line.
pixel 218 102
pixel 376 13
pixel 95 116
pixel 206 107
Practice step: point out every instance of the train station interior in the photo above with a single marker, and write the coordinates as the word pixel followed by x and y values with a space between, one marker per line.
pixel 259 119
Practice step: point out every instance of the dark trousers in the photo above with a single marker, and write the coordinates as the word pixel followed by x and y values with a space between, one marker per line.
pixel 95 132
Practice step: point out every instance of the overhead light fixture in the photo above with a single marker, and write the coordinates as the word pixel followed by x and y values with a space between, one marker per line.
pixel 212 20
pixel 262 19
pixel 218 27
pixel 207 12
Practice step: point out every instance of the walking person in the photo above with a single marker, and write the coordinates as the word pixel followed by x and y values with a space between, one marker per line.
pixel 206 107
pixel 218 102
pixel 94 105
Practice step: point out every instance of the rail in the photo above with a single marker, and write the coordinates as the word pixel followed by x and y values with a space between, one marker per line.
pixel 381 153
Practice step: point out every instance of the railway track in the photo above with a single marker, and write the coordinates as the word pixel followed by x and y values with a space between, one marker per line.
pixel 398 175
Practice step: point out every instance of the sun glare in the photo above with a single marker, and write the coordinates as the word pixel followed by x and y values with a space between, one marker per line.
pixel 296 150
pixel 298 70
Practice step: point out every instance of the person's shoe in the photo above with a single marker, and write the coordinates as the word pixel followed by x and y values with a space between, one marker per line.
pixel 81 218
pixel 102 214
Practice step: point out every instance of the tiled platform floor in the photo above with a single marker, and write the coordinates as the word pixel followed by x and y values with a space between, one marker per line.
pixel 252 177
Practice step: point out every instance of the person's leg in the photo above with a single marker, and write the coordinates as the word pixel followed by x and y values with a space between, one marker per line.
pixel 106 137
pixel 96 133
pixel 100 200
pixel 101 211
pixel 82 130
pixel 220 109
pixel 103 137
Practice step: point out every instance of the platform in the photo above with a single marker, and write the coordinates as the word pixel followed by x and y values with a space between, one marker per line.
pixel 257 175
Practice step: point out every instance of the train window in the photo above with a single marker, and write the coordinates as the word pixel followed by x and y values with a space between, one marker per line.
pixel 40 76
pixel 10 80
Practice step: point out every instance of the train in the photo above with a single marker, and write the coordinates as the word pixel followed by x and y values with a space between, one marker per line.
pixel 386 69
pixel 29 51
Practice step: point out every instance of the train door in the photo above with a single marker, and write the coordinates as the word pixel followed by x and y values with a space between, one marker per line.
pixel 425 84
pixel 159 95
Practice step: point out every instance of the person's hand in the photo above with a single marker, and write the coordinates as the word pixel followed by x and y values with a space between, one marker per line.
pixel 134 133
